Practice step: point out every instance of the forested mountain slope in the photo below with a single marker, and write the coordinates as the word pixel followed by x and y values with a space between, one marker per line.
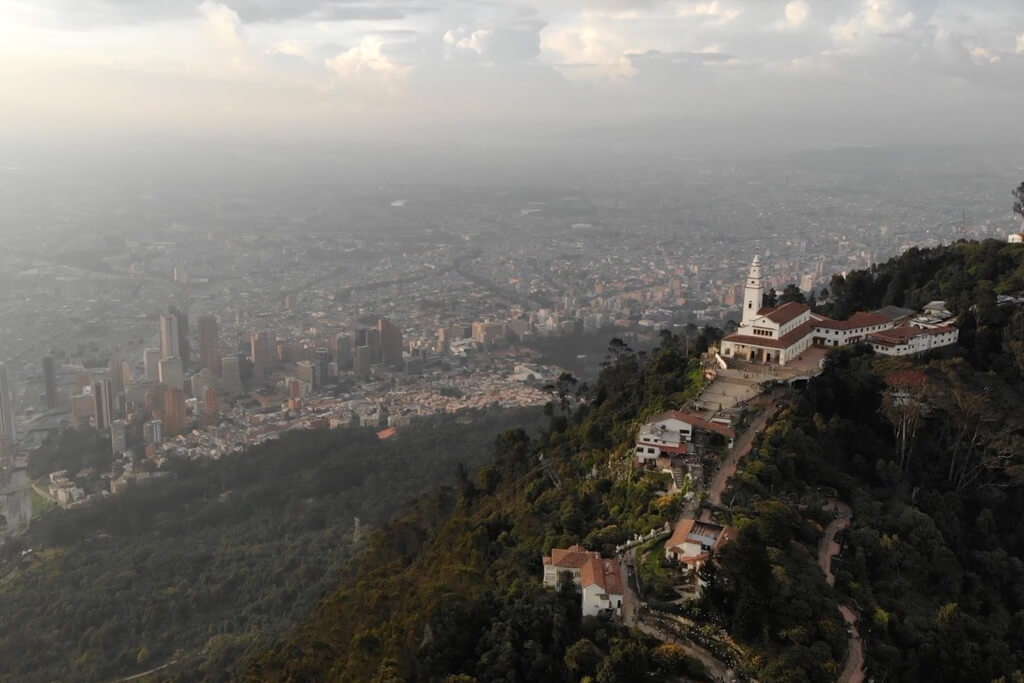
pixel 202 570
pixel 927 451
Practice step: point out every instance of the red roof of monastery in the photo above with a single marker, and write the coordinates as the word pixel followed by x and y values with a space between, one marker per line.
pixel 784 313
pixel 787 340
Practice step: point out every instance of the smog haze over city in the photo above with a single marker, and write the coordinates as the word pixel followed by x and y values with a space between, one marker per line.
pixel 298 297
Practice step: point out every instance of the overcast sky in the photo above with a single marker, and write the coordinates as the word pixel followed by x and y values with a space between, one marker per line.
pixel 806 71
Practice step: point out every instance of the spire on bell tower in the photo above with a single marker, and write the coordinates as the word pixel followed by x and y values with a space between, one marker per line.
pixel 753 293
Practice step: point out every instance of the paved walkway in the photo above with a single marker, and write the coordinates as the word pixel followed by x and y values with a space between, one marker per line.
pixel 739 451
pixel 853 670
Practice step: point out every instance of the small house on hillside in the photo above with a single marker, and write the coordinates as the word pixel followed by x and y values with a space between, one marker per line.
pixel 600 580
pixel 693 541
pixel 671 434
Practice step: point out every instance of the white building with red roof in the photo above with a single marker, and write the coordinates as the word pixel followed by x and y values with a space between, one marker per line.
pixel 693 541
pixel 600 581
pixel 670 435
pixel 779 335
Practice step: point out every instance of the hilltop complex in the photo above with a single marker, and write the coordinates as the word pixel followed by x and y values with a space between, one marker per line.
pixel 778 335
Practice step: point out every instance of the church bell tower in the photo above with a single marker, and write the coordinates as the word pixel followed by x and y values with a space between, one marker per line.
pixel 753 293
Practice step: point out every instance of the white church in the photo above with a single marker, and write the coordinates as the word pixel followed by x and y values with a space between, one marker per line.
pixel 779 335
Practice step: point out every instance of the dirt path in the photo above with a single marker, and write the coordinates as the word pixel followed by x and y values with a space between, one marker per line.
pixel 853 670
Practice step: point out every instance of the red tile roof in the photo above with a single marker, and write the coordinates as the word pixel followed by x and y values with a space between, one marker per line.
pixel 787 340
pixel 784 313
pixel 387 433
pixel 607 574
pixel 859 319
pixel 573 557
pixel 688 527
pixel 904 333
pixel 695 420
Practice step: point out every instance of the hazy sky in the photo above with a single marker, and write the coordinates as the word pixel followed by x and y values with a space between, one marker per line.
pixel 813 71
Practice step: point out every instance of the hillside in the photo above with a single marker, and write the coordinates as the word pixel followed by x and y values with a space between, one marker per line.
pixel 202 571
pixel 927 451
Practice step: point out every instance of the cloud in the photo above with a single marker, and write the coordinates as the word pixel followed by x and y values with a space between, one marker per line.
pixel 464 39
pixel 223 24
pixel 794 15
pixel 711 12
pixel 589 52
pixel 127 12
pixel 367 63
pixel 876 17
pixel 512 42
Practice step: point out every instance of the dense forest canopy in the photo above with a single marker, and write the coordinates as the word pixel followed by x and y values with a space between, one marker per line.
pixel 220 561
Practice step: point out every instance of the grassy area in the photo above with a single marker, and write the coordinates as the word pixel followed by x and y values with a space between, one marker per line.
pixel 40 505
pixel 657 574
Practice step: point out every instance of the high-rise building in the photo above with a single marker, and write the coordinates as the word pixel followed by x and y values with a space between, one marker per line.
pixel 307 372
pixel 184 347
pixel 170 339
pixel 211 408
pixel 174 416
pixel 118 437
pixel 390 343
pixel 151 364
pixel 261 354
pixel 6 408
pixel 487 333
pixel 102 395
pixel 343 351
pixel 323 364
pixel 116 387
pixel 171 373
pixel 155 431
pixel 209 353
pixel 231 378
pixel 50 382
pixel 373 341
pixel 126 374
pixel 362 362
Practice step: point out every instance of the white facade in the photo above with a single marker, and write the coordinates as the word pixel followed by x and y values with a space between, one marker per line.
pixel 779 335
pixel 753 292
pixel 600 581
pixel 905 341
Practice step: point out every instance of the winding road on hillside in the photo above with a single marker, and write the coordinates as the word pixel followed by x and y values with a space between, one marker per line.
pixel 853 670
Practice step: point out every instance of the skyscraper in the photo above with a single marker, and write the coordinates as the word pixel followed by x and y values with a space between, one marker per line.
pixel 343 351
pixel 116 387
pixel 323 364
pixel 209 355
pixel 390 343
pixel 184 347
pixel 171 373
pixel 174 417
pixel 118 437
pixel 101 394
pixel 6 407
pixel 363 361
pixel 50 382
pixel 231 378
pixel 170 341
pixel 373 341
pixel 155 431
pixel 151 363
pixel 261 354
